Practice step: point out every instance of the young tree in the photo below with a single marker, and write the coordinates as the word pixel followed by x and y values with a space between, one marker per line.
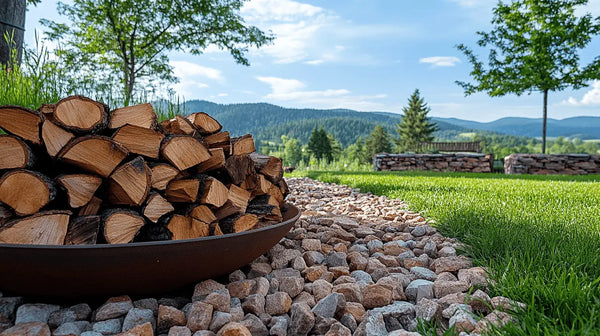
pixel 130 38
pixel 534 47
pixel 378 142
pixel 358 152
pixel 292 152
pixel 319 145
pixel 415 126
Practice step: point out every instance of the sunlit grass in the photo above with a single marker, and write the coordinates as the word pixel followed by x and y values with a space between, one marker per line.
pixel 539 236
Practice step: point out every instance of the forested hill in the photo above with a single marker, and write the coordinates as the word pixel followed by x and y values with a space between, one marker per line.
pixel 269 122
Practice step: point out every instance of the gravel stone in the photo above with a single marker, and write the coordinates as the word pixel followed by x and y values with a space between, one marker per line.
pixel 234 329
pixel 219 319
pixel 108 327
pixel 179 331
pixel 150 303
pixel 279 326
pixel 220 300
pixel 254 304
pixel 113 308
pixel 423 273
pixel 302 319
pixel 169 316
pixel 137 316
pixel 255 325
pixel 335 259
pixel 419 289
pixel 37 312
pixel 292 286
pixel 35 328
pixel 200 316
pixel 206 287
pixel 351 292
pixel 329 305
pixel 278 303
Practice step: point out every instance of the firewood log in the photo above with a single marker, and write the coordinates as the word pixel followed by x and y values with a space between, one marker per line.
pixel 21 122
pixel 81 115
pixel 283 186
pixel 219 140
pixel 6 214
pixel 47 110
pixel 130 183
pixel 238 223
pixel 242 145
pixel 204 123
pixel 277 194
pixel 237 200
pixel 26 191
pixel 139 140
pixel 215 229
pixel 179 125
pixel 183 151
pixel 162 174
pixel 80 188
pixel 156 231
pixel 121 226
pixel 91 208
pixel 265 207
pixel 270 166
pixel 55 138
pixel 42 228
pixel 141 115
pixel 202 213
pixel 184 227
pixel 83 230
pixel 216 161
pixel 202 189
pixel 238 167
pixel 156 207
pixel 14 153
pixel 95 154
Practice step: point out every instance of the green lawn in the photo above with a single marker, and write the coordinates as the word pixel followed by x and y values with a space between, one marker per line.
pixel 539 236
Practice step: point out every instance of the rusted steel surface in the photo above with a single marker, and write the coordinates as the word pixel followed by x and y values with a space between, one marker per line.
pixel 136 268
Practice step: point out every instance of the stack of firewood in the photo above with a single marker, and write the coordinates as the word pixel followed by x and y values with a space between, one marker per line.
pixel 76 173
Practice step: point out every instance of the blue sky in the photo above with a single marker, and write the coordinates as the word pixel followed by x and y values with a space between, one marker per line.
pixel 367 55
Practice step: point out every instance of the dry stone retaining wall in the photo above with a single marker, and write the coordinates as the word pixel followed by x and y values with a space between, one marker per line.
pixel 459 162
pixel 541 164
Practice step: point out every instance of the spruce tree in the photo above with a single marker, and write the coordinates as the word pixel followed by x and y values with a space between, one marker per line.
pixel 415 126
pixel 319 144
pixel 378 142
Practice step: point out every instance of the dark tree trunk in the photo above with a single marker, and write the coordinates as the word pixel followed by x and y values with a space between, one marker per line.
pixel 545 120
pixel 12 22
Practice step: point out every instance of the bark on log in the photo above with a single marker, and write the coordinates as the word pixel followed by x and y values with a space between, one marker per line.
pixel 130 183
pixel 204 123
pixel 83 230
pixel 81 115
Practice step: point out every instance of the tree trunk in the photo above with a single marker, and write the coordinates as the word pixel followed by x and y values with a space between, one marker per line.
pixel 12 21
pixel 545 120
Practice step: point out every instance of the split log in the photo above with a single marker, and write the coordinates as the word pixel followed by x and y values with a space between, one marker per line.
pixel 42 228
pixel 162 174
pixel 219 140
pixel 141 115
pixel 237 201
pixel 202 213
pixel 83 230
pixel 283 186
pixel 178 125
pixel 25 191
pixel 242 145
pixel 80 188
pixel 47 110
pixel 204 123
pixel 184 227
pixel 203 189
pixel 156 231
pixel 130 183
pixel 216 161
pixel 215 229
pixel 121 226
pixel 21 122
pixel 14 153
pixel 238 167
pixel 139 140
pixel 184 151
pixel 156 207
pixel 81 115
pixel 91 208
pixel 96 154
pixel 271 167
pixel 55 138
pixel 238 223
pixel 277 194
pixel 6 214
pixel 265 207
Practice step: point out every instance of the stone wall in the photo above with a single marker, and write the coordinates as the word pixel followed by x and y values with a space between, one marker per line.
pixel 459 162
pixel 540 164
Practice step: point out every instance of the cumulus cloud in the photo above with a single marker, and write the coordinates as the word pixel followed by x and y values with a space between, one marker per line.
pixel 445 61
pixel 279 10
pixel 192 77
pixel 592 97
pixel 293 91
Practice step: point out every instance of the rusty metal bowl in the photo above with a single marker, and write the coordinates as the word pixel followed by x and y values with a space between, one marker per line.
pixel 136 268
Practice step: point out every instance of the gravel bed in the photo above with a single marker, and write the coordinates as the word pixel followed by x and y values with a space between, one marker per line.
pixel 354 264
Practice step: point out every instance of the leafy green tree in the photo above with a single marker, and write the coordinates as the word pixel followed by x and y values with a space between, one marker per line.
pixel 415 126
pixel 358 152
pixel 378 142
pixel 128 40
pixel 534 47
pixel 319 145
pixel 292 152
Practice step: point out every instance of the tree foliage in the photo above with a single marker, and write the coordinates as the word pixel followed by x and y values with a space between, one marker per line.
pixel 292 152
pixel 415 126
pixel 125 42
pixel 378 142
pixel 534 46
pixel 319 145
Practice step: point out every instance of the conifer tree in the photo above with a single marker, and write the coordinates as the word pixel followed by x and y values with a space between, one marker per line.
pixel 319 144
pixel 415 126
pixel 378 142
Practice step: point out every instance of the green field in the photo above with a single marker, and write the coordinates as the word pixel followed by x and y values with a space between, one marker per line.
pixel 539 236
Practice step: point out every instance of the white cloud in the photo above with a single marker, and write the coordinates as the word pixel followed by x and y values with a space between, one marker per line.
pixel 445 61
pixel 183 69
pixel 291 90
pixel 315 62
pixel 223 95
pixel 279 10
pixel 592 97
